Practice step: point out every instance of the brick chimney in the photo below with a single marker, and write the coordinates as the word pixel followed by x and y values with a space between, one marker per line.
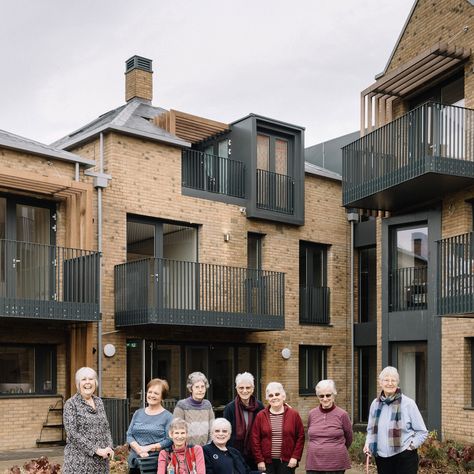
pixel 138 78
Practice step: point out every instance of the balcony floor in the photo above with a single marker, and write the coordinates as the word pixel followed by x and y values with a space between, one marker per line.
pixel 179 317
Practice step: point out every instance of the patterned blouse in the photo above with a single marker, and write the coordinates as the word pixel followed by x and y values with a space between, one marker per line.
pixel 87 430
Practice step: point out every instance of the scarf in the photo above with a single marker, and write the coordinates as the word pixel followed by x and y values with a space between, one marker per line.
pixel 189 459
pixel 242 431
pixel 394 428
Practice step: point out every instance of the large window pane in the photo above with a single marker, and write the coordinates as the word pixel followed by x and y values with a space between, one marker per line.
pixel 281 156
pixel 368 382
pixel 367 285
pixel 312 368
pixel 263 152
pixel 411 247
pixel 221 373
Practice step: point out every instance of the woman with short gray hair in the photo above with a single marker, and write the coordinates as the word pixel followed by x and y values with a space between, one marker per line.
pixel 395 429
pixel 89 442
pixel 241 413
pixel 329 433
pixel 278 434
pixel 196 410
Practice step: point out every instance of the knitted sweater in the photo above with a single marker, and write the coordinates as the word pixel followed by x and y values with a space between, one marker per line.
pixel 199 416
pixel 329 436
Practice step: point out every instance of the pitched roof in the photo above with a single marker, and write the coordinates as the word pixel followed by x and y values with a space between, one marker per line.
pixel 134 118
pixel 315 170
pixel 15 142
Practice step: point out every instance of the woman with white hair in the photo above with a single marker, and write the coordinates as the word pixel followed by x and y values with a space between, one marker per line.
pixel 329 433
pixel 221 458
pixel 241 413
pixel 395 429
pixel 277 436
pixel 89 442
pixel 196 410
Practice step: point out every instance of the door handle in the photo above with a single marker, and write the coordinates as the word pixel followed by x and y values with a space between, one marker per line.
pixel 15 261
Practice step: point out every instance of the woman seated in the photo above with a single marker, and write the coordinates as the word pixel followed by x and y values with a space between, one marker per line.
pixel 220 458
pixel 181 457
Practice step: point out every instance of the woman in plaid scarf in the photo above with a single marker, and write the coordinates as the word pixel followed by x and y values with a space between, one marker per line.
pixel 395 429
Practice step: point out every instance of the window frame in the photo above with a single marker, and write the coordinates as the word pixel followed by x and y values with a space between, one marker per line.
pixel 307 388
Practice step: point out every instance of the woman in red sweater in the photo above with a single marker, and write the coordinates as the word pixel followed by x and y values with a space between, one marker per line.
pixel 329 434
pixel 277 434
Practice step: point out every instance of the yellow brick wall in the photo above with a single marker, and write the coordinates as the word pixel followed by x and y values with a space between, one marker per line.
pixel 146 180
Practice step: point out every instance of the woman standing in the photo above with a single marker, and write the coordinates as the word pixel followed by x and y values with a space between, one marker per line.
pixel 241 413
pixel 277 436
pixel 148 430
pixel 219 457
pixel 181 458
pixel 195 410
pixel 395 429
pixel 89 442
pixel 329 433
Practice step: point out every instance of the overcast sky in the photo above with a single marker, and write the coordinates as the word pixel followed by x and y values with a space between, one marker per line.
pixel 303 62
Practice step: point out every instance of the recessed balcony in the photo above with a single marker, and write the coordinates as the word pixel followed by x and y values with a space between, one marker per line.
pixel 171 292
pixel 456 275
pixel 414 159
pixel 213 174
pixel 47 282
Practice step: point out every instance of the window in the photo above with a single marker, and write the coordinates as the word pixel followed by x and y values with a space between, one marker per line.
pixel 367 285
pixel 409 268
pixel 471 349
pixel 411 360
pixel 314 293
pixel 254 251
pixel 368 381
pixel 312 368
pixel 27 369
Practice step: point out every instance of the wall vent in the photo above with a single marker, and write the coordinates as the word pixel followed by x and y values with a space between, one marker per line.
pixel 138 62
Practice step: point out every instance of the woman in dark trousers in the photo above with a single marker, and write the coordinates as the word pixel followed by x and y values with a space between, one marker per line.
pixel 395 429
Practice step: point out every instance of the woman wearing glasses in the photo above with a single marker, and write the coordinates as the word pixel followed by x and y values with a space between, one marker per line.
pixel 277 437
pixel 395 429
pixel 329 433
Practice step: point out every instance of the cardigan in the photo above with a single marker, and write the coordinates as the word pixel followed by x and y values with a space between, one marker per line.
pixel 164 459
pixel 216 460
pixel 293 436
pixel 199 418
pixel 329 436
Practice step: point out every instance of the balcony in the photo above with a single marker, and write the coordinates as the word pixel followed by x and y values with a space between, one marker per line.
pixel 408 288
pixel 172 292
pixel 417 157
pixel 213 174
pixel 314 305
pixel 275 192
pixel 47 282
pixel 456 275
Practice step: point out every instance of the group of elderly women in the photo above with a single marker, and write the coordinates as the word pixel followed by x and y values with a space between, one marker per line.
pixel 250 438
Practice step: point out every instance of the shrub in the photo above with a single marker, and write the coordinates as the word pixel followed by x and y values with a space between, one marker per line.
pixel 36 466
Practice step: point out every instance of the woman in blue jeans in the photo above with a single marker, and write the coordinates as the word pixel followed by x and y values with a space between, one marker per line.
pixel 395 429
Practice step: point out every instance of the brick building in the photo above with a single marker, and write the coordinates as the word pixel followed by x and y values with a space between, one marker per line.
pixel 219 247
pixel 411 176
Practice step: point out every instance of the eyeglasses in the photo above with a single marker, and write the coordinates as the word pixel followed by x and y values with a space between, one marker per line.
pixel 325 395
pixel 271 395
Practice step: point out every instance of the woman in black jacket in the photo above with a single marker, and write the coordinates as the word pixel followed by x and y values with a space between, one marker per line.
pixel 241 413
pixel 219 458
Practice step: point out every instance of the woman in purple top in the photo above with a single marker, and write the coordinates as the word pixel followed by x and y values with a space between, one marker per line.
pixel 329 434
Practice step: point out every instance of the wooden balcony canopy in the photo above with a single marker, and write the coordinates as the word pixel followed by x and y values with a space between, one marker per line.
pixel 431 65
pixel 191 128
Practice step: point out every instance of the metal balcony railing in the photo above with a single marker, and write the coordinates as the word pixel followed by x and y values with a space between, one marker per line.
pixel 48 282
pixel 408 288
pixel 275 192
pixel 213 173
pixel 433 138
pixel 314 305
pixel 161 291
pixel 455 274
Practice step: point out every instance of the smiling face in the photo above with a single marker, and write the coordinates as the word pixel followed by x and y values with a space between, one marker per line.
pixel 153 395
pixel 220 435
pixel 389 385
pixel 276 398
pixel 326 398
pixel 87 385
pixel 198 391
pixel 179 436
pixel 245 391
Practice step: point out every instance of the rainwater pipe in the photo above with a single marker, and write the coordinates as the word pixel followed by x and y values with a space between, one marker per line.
pixel 352 217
